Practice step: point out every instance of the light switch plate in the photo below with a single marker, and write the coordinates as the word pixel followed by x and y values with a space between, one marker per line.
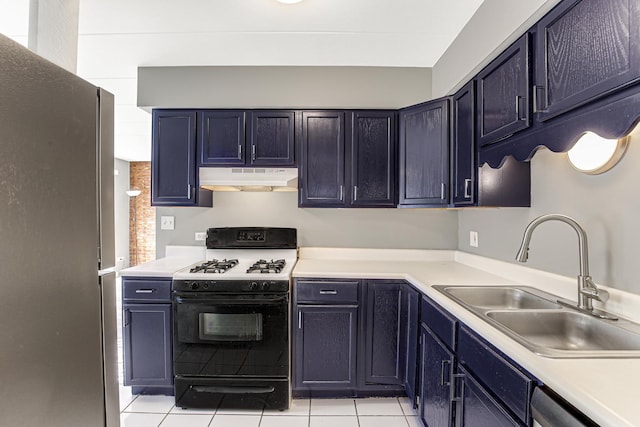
pixel 473 239
pixel 201 236
pixel 167 222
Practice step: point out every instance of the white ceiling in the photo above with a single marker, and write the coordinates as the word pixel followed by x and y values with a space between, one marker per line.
pixel 117 36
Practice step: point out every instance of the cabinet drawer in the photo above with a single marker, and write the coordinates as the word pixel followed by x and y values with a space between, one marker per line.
pixel 152 289
pixel 327 291
pixel 440 322
pixel 499 375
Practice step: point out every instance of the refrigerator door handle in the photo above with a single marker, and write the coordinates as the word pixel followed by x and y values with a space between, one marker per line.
pixel 106 271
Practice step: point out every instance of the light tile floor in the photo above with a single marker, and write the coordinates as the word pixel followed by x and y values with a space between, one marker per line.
pixel 160 411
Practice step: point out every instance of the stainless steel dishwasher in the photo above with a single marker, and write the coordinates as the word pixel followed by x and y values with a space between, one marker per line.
pixel 549 410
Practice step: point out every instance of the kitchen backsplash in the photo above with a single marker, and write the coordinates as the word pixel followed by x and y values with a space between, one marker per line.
pixel 373 228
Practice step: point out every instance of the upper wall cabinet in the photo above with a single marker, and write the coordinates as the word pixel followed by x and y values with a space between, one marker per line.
pixel 585 49
pixel 272 138
pixel 348 159
pixel 503 94
pixel 222 137
pixel 424 154
pixel 373 159
pixel 463 147
pixel 173 166
pixel 322 159
pixel 252 138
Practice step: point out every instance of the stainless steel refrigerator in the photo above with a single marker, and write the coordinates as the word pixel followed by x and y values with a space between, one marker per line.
pixel 58 353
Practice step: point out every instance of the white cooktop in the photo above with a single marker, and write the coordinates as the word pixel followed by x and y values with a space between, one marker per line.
pixel 246 258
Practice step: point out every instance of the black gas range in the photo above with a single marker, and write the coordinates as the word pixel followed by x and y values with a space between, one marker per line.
pixel 231 321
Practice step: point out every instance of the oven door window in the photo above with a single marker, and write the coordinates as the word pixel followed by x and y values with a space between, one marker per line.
pixel 230 326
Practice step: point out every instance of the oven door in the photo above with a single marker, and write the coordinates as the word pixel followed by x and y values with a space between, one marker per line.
pixel 239 335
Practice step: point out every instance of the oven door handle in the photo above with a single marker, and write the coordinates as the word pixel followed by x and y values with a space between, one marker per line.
pixel 232 390
pixel 229 301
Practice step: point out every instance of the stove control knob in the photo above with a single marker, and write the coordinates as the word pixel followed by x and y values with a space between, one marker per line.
pixel 264 286
pixel 253 285
pixel 194 285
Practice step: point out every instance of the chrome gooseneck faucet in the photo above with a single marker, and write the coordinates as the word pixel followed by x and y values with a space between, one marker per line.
pixel 587 290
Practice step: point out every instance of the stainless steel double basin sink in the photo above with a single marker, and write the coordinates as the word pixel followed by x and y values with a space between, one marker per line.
pixel 536 320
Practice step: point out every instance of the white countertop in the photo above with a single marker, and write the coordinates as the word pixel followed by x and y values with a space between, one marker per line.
pixel 606 390
pixel 163 267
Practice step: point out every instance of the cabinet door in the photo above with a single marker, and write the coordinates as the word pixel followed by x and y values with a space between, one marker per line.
pixel 503 94
pixel 413 336
pixel 373 159
pixel 424 156
pixel 385 335
pixel 478 408
pixel 222 137
pixel 322 163
pixel 463 147
pixel 173 165
pixel 272 138
pixel 325 347
pixel 437 364
pixel 147 345
pixel 585 49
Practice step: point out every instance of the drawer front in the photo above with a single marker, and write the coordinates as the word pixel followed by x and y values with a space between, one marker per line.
pixel 151 289
pixel 440 322
pixel 327 291
pixel 499 375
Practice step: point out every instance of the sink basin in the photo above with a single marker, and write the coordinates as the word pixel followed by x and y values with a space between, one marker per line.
pixel 535 319
pixel 550 332
pixel 494 298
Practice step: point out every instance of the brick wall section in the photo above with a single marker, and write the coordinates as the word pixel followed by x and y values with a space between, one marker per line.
pixel 140 177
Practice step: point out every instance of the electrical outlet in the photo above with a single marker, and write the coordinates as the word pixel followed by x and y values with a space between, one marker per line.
pixel 201 236
pixel 473 239
pixel 167 222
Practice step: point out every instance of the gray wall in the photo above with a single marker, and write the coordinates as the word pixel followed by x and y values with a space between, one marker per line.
pixel 121 202
pixel 282 87
pixel 604 204
pixel 373 228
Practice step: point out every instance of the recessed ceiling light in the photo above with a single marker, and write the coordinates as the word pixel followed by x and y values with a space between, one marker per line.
pixel 289 1
pixel 593 154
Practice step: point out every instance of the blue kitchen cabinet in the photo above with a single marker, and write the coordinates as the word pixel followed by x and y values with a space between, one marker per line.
pixel 383 348
pixel 424 154
pixel 503 101
pixel 351 337
pixel 325 338
pixel 174 175
pixel 147 350
pixel 221 137
pixel 411 375
pixel 585 49
pixel 465 381
pixel 326 345
pixel 478 408
pixel 463 147
pixel 272 139
pixel 437 366
pixel 322 176
pixel 348 159
pixel 373 159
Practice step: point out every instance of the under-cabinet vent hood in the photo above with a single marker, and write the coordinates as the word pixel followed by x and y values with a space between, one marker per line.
pixel 249 179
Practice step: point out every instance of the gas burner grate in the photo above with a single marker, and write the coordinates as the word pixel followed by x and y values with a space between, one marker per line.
pixel 264 266
pixel 215 266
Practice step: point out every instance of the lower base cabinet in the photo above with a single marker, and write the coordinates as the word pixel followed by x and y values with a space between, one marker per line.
pixel 148 364
pixel 465 382
pixel 437 364
pixel 352 337
pixel 325 346
pixel 477 408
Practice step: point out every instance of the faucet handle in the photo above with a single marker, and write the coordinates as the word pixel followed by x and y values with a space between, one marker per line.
pixel 593 292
